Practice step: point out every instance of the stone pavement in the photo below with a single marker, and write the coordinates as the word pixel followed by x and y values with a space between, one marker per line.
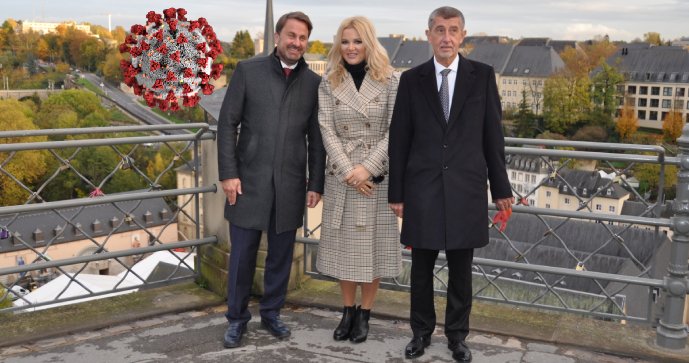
pixel 196 336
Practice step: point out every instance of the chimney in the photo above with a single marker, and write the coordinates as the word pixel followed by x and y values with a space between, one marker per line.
pixel 269 30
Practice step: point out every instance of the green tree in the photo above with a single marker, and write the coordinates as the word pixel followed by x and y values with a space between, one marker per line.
pixel 604 92
pixel 566 99
pixel 525 120
pixel 25 166
pixel 242 46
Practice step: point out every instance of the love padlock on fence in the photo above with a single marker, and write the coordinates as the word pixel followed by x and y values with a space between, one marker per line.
pixel 4 233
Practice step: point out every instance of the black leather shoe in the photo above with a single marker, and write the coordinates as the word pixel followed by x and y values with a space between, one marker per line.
pixel 416 347
pixel 360 326
pixel 233 335
pixel 276 327
pixel 344 329
pixel 460 351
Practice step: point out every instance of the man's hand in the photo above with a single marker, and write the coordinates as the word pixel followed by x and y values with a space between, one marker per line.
pixel 504 204
pixel 312 199
pixel 232 187
pixel 397 208
pixel 357 176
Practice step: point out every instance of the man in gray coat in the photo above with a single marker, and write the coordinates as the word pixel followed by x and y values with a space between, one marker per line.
pixel 263 166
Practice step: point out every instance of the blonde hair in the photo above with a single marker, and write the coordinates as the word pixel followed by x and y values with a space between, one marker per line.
pixel 377 60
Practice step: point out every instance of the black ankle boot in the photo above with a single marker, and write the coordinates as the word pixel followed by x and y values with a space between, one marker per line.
pixel 345 328
pixel 360 326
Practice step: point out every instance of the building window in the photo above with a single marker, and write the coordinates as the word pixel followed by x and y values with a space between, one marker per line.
pixel 524 82
pixel 666 103
pixel 533 179
pixel 653 115
pixel 503 93
pixel 643 102
pixel 631 90
pixel 514 175
pixel 547 205
pixel 679 104
pixel 611 209
pixel 643 90
pixel 667 91
pixel 655 91
pixel 504 81
pixel 679 92
pixel 641 115
pixel 519 177
pixel 599 207
pixel 566 200
pixel 532 202
pixel 654 102
pixel 547 194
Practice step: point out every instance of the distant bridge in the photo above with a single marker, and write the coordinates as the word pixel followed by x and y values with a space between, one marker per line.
pixel 20 93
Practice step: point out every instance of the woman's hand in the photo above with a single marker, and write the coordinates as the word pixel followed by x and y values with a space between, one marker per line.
pixel 357 176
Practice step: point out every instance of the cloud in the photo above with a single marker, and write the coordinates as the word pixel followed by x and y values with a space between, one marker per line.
pixel 583 31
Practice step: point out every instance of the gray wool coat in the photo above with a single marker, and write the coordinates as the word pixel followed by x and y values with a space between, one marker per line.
pixel 279 137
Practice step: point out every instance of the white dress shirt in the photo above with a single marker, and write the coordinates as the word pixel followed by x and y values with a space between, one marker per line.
pixel 451 77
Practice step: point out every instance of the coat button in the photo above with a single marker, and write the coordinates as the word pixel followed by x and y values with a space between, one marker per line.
pixel 331 173
pixel 444 146
pixel 375 99
pixel 385 173
pixel 384 162
pixel 337 102
pixel 345 127
pixel 368 124
pixel 334 166
pixel 445 167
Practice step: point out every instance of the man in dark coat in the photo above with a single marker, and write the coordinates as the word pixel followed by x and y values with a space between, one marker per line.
pixel 446 142
pixel 268 128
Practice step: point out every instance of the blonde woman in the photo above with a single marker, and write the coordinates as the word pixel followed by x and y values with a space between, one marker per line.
pixel 359 242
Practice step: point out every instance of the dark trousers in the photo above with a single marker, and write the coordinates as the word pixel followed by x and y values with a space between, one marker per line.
pixel 243 251
pixel 459 293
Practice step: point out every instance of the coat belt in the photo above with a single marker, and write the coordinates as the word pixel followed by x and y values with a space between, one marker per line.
pixel 339 200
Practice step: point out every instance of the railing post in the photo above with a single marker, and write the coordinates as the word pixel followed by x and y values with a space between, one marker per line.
pixel 672 331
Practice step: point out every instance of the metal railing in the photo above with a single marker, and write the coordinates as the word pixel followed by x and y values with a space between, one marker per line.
pixel 138 155
pixel 577 257
pixel 572 258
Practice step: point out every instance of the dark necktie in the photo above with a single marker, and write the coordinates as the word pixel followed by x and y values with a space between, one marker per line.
pixel 445 94
pixel 287 71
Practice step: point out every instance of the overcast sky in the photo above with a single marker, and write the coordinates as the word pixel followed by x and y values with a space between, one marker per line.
pixel 557 19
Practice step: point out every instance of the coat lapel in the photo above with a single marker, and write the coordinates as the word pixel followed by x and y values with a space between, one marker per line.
pixel 347 93
pixel 429 88
pixel 463 86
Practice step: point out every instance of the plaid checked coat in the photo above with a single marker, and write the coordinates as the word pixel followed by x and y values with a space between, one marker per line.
pixel 359 237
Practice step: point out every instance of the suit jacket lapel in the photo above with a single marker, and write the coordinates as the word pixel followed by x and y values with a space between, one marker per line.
pixel 347 93
pixel 464 83
pixel 429 88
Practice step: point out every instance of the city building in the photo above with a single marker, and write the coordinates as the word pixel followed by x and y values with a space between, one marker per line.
pixel 80 231
pixel 405 53
pixel 520 70
pixel 45 28
pixel 656 81
pixel 526 173
pixel 571 188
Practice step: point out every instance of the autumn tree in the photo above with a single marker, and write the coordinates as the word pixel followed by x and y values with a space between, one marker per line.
pixel 605 82
pixel 627 123
pixel 26 166
pixel 653 38
pixel 317 47
pixel 672 126
pixel 111 67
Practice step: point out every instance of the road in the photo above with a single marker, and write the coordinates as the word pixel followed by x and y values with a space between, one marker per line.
pixel 131 105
